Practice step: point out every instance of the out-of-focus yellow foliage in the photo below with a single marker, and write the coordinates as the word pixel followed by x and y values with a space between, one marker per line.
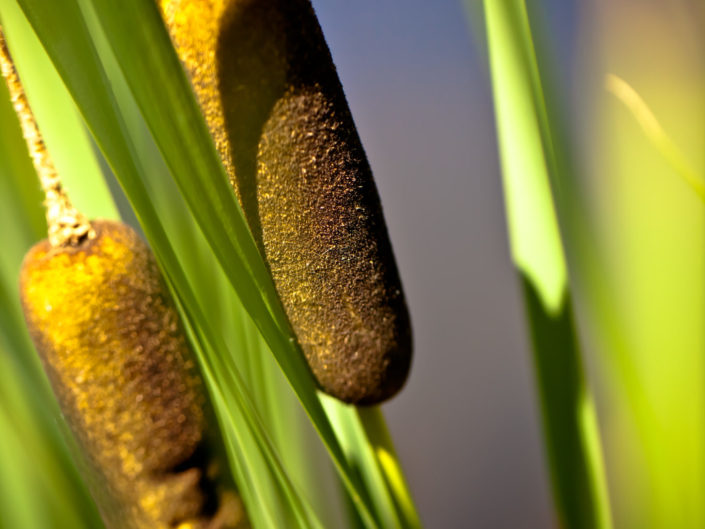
pixel 651 228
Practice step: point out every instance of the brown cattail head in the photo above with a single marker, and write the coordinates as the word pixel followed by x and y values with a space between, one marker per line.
pixel 111 342
pixel 267 85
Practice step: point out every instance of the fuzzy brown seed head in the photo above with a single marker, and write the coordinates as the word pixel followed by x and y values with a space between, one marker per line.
pixel 111 342
pixel 273 102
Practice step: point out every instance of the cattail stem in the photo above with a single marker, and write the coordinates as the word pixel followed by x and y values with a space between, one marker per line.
pixel 67 226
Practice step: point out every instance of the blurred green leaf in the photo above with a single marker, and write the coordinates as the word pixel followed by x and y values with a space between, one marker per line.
pixel 655 133
pixel 530 163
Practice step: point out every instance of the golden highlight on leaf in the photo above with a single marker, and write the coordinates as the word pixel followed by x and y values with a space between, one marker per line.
pixel 655 133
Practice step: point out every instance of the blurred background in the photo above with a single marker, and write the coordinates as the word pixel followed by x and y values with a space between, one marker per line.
pixel 467 426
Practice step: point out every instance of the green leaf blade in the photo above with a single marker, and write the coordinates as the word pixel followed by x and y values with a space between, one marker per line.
pixel 530 166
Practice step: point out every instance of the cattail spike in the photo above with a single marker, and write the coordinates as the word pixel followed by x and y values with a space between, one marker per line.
pixel 269 91
pixel 67 225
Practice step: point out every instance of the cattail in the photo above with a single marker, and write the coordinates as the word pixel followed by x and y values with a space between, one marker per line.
pixel 112 345
pixel 269 91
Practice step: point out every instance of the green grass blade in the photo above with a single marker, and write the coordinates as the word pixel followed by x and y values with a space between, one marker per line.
pixel 225 377
pixel 378 438
pixel 369 448
pixel 61 126
pixel 529 165
pixel 39 482
pixel 361 460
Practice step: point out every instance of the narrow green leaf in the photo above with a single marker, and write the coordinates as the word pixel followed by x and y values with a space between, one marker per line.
pixel 377 438
pixel 655 133
pixel 369 448
pixel 530 164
